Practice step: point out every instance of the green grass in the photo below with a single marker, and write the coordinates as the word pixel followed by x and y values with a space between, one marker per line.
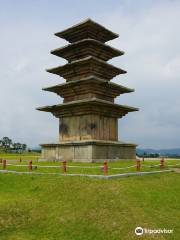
pixel 17 156
pixel 92 168
pixel 50 207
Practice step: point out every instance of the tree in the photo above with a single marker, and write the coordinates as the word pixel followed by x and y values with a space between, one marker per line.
pixel 16 147
pixel 6 143
pixel 1 147
pixel 23 147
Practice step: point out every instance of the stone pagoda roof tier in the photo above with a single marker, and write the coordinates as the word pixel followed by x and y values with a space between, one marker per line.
pixel 87 88
pixel 87 29
pixel 85 48
pixel 84 107
pixel 86 67
pixel 87 142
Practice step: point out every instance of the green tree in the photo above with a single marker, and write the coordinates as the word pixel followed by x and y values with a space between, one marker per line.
pixel 19 147
pixel 6 143
pixel 23 147
pixel 16 146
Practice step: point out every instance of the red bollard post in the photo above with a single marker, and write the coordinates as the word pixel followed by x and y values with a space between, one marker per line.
pixel 138 165
pixel 64 167
pixel 4 164
pixel 105 168
pixel 162 163
pixel 30 165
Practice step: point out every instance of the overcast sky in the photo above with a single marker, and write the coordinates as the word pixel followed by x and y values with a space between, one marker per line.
pixel 149 35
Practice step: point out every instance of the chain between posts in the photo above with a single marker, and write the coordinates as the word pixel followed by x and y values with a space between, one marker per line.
pixel 105 168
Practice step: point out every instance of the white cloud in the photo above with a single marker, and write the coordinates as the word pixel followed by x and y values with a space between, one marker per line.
pixel 150 38
pixel 149 34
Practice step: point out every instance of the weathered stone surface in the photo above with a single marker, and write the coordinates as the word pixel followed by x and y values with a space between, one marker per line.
pixel 88 129
pixel 88 88
pixel 88 151
pixel 86 67
pixel 92 106
pixel 87 29
pixel 86 48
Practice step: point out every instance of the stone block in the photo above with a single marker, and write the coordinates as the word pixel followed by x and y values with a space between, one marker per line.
pixel 88 151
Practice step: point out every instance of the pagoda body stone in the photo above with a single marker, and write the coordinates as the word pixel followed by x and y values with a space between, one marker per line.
pixel 88 116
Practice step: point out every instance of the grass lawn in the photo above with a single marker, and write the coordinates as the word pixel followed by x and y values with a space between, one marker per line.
pixel 50 207
pixel 96 169
pixel 83 168
pixel 17 156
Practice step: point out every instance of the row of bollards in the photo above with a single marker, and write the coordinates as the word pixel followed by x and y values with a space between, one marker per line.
pixel 138 164
pixel 64 165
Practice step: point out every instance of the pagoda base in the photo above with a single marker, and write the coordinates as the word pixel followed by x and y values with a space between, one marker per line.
pixel 88 151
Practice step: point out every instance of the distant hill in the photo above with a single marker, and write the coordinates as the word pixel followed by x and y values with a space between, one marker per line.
pixel 161 152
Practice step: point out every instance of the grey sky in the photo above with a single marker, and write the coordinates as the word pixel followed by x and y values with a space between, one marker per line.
pixel 149 35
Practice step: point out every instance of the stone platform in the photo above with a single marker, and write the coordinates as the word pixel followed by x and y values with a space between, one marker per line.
pixel 88 151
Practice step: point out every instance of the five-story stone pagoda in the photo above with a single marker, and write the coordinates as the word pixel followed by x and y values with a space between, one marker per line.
pixel 88 128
